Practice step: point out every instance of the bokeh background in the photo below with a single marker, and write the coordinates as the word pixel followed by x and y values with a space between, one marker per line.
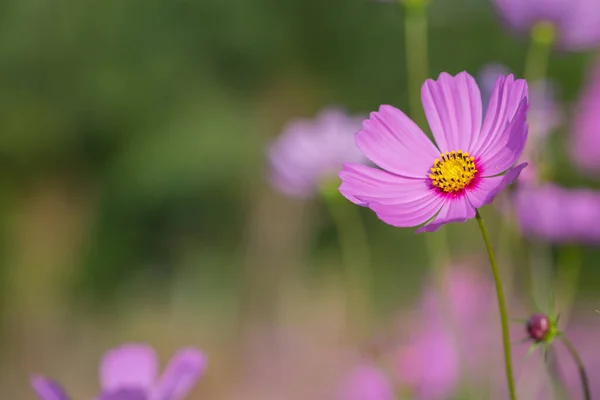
pixel 133 198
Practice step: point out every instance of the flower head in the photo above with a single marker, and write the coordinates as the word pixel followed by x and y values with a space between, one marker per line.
pixel 585 149
pixel 538 327
pixel 129 372
pixel 574 23
pixel 419 181
pixel 309 152
pixel 558 215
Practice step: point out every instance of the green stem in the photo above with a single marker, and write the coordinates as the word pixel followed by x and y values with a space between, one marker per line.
pixel 580 367
pixel 417 61
pixel 502 307
pixel 540 47
pixel 354 252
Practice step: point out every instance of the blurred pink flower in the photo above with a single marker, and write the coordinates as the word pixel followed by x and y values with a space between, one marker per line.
pixel 129 372
pixel 585 146
pixel 577 22
pixel 366 382
pixel 420 182
pixel 448 340
pixel 558 215
pixel 309 152
pixel 544 116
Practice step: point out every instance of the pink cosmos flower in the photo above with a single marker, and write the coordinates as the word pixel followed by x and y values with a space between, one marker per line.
pixel 558 215
pixel 577 22
pixel 419 180
pixel 366 383
pixel 448 336
pixel 309 152
pixel 129 372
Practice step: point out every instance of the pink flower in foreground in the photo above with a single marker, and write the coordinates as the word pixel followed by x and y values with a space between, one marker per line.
pixel 366 383
pixel 419 181
pixel 309 152
pixel 129 372
pixel 448 336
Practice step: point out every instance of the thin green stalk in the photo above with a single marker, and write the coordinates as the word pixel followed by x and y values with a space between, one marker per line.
pixel 417 60
pixel 355 257
pixel 501 306
pixel 580 367
pixel 540 47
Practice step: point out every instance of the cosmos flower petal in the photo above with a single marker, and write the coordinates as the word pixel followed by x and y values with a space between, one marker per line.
pixel 457 209
pixel 510 145
pixel 504 102
pixel 488 188
pixel 363 185
pixel 47 389
pixel 395 143
pixel 409 214
pixel 453 109
pixel 180 376
pixel 128 366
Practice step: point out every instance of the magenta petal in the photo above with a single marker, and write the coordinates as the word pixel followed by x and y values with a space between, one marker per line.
pixel 453 109
pixel 509 147
pixel 457 209
pixel 488 188
pixel 47 389
pixel 411 213
pixel 128 366
pixel 363 185
pixel 180 376
pixel 506 99
pixel 395 143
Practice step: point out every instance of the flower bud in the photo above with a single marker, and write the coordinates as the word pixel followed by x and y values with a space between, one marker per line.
pixel 539 327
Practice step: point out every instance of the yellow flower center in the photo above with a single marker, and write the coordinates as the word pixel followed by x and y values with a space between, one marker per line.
pixel 453 171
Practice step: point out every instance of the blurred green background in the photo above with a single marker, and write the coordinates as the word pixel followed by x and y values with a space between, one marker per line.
pixel 132 143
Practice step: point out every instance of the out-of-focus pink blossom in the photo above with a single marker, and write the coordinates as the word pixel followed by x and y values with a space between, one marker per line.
pixel 584 148
pixel 309 152
pixel 366 382
pixel 576 22
pixel 558 215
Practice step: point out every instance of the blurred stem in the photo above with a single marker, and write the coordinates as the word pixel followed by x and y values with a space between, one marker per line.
pixel 540 47
pixel 417 61
pixel 501 306
pixel 580 367
pixel 567 277
pixel 354 252
pixel 417 69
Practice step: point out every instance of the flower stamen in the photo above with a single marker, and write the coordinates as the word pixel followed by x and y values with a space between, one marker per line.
pixel 453 171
